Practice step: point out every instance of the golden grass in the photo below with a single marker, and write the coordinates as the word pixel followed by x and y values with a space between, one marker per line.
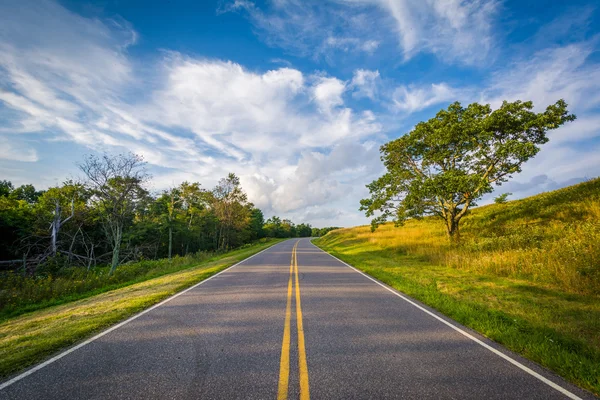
pixel 526 274
pixel 553 238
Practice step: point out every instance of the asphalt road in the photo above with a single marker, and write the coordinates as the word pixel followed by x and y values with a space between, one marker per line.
pixel 226 339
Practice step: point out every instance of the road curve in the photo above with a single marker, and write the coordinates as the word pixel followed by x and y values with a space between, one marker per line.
pixel 225 339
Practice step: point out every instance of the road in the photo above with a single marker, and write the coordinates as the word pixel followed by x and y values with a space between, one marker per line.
pixel 290 322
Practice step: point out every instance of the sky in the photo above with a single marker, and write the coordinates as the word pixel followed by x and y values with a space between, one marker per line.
pixel 293 96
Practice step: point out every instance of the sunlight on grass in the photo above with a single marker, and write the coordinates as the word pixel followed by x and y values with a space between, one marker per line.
pixel 527 274
pixel 32 337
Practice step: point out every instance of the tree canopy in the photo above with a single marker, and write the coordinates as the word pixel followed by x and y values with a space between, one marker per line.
pixel 109 217
pixel 444 165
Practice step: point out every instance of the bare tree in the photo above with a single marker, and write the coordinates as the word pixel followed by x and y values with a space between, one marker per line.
pixel 57 222
pixel 117 186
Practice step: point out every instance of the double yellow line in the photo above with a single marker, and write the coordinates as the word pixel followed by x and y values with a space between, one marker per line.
pixel 284 364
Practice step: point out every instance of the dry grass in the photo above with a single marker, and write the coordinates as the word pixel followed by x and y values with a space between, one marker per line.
pixel 552 238
pixel 527 274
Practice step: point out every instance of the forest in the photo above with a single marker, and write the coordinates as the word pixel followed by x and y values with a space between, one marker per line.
pixel 109 217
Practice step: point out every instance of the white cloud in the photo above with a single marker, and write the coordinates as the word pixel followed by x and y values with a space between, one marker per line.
pixel 324 179
pixel 585 127
pixel 551 74
pixel 198 120
pixel 365 83
pixel 348 44
pixel 568 72
pixel 11 150
pixel 328 92
pixel 294 139
pixel 410 99
pixel 455 30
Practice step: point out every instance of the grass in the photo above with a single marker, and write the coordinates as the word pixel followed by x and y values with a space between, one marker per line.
pixel 22 294
pixel 526 275
pixel 33 337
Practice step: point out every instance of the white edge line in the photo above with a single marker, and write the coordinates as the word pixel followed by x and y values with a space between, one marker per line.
pixel 473 338
pixel 120 324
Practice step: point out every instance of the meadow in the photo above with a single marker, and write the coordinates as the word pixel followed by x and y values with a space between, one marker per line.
pixel 71 316
pixel 526 273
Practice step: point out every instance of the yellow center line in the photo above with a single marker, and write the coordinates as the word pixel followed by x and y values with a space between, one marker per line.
pixel 284 363
pixel 302 365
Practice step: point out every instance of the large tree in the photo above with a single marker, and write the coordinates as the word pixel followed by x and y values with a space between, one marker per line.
pixel 443 166
pixel 230 207
pixel 116 184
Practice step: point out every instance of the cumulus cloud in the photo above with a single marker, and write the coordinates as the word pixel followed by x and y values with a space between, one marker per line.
pixel 328 93
pixel 198 120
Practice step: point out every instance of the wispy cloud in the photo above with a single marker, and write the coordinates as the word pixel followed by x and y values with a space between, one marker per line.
pixel 16 151
pixel 557 72
pixel 303 142
pixel 309 28
pixel 415 98
pixel 365 83
pixel 456 31
pixel 200 119
pixel 567 72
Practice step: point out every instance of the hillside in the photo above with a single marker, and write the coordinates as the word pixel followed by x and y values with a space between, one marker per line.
pixel 527 273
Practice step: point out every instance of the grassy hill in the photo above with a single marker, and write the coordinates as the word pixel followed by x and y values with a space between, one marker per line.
pixel 526 274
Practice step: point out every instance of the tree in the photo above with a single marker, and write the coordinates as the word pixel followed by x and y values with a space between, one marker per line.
pixel 326 230
pixel 26 193
pixel 501 199
pixel 16 224
pixel 58 199
pixel 230 208
pixel 443 166
pixel 257 220
pixel 172 200
pixel 273 227
pixel 303 230
pixel 55 207
pixel 6 187
pixel 116 184
pixel 194 203
pixel 288 228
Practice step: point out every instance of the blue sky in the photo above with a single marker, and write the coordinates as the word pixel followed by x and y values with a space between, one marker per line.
pixel 293 96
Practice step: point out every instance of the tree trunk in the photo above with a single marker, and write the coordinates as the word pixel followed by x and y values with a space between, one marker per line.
pixel 116 250
pixel 55 227
pixel 452 230
pixel 170 241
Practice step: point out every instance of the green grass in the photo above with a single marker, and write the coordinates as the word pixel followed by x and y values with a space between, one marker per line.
pixel 22 294
pixel 526 275
pixel 33 337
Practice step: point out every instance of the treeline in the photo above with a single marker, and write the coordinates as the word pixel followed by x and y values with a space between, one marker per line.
pixel 110 217
pixel 278 228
